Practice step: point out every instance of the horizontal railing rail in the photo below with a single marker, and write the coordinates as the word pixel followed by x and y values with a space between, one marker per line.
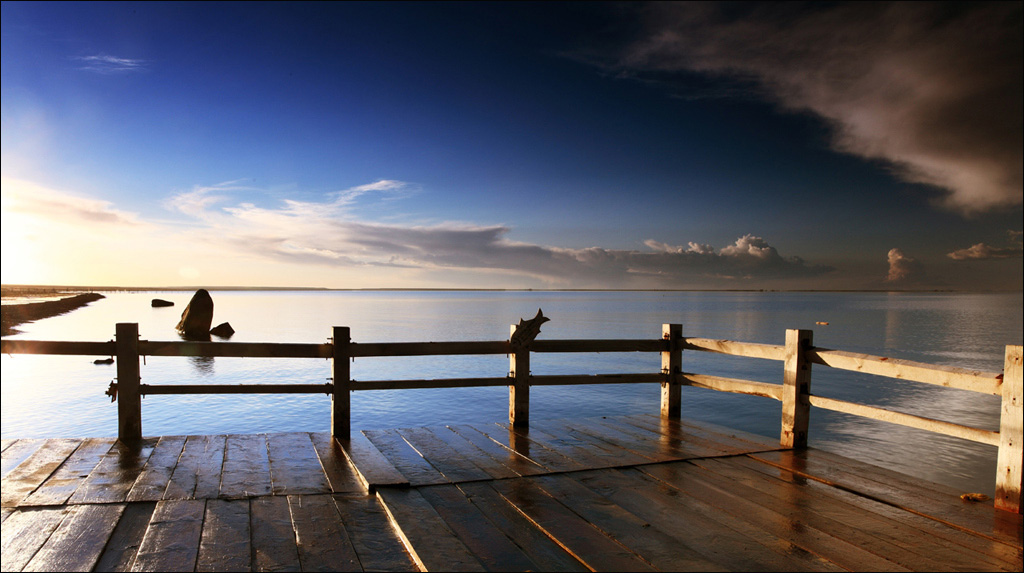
pixel 797 356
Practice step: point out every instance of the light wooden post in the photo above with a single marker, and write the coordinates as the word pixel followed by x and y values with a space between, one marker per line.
pixel 519 390
pixel 796 387
pixel 671 367
pixel 341 397
pixel 129 400
pixel 1010 464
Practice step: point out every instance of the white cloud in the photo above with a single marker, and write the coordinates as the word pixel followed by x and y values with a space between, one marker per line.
pixel 981 251
pixel 106 64
pixel 933 89
pixel 902 268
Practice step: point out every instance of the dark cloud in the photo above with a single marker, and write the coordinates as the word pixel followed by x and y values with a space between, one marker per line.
pixel 933 89
pixel 981 251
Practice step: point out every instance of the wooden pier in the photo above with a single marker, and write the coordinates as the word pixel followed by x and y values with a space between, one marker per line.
pixel 638 493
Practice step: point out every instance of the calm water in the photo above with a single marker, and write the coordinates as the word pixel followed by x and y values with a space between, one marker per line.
pixel 55 396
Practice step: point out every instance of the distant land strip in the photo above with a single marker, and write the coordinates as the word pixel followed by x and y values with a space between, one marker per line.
pixel 15 314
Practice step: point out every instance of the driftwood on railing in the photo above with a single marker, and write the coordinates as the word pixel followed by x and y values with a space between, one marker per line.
pixel 797 356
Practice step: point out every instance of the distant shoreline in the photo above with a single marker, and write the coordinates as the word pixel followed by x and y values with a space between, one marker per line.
pixel 14 315
pixel 37 290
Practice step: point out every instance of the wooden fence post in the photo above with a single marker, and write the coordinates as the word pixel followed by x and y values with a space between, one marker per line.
pixel 671 367
pixel 129 400
pixel 1010 464
pixel 341 373
pixel 796 387
pixel 519 390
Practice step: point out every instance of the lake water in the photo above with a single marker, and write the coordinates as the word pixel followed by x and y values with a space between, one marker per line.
pixel 63 396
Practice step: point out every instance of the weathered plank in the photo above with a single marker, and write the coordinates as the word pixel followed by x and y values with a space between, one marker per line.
pixel 76 545
pixel 521 442
pixel 694 522
pixel 934 500
pixel 649 442
pixel 490 545
pixel 654 546
pixel 320 535
pixel 467 452
pixel 372 467
pixel 373 537
pixel 273 538
pixel 115 475
pixel 294 465
pixel 63 483
pixel 427 538
pixel 405 458
pixel 340 474
pixel 535 543
pixel 16 451
pixel 33 471
pixel 506 456
pixel 246 470
pixel 584 447
pixel 197 474
pixel 848 517
pixel 595 549
pixel 443 457
pixel 123 546
pixel 152 482
pixel 24 532
pixel 172 539
pixel 634 442
pixel 225 544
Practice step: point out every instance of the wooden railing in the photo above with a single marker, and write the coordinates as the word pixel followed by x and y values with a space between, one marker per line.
pixel 797 355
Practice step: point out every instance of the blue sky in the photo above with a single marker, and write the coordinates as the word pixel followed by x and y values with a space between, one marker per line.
pixel 520 145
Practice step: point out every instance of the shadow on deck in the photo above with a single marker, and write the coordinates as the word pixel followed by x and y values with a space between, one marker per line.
pixel 619 494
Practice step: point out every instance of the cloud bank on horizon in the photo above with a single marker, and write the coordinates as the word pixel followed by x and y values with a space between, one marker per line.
pixel 932 89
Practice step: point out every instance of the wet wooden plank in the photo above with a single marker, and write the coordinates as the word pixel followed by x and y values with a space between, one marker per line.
pixel 63 483
pixel 934 500
pixel 246 469
pixel 341 476
pixel 16 451
pixel 453 466
pixel 273 539
pixel 77 543
pixel 373 537
pixel 595 549
pixel 656 547
pixel 466 452
pixel 197 475
pixel 517 463
pixel 21 481
pixel 321 537
pixel 172 539
pixel 124 543
pixel 535 543
pixel 796 525
pixel 695 523
pixel 701 441
pixel 520 442
pixel 115 475
pixel 404 458
pixel 920 541
pixel 427 538
pixel 489 544
pixel 371 465
pixel 294 465
pixel 225 543
pixel 603 453
pixel 152 482
pixel 24 532
pixel 632 438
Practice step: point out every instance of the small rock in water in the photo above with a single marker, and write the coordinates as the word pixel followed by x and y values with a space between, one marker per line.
pixel 103 361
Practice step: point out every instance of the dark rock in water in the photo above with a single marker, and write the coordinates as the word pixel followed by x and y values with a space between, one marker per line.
pixel 161 302
pixel 223 330
pixel 197 317
pixel 103 361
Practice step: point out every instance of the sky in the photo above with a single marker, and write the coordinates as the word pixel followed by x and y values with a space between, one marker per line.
pixel 785 146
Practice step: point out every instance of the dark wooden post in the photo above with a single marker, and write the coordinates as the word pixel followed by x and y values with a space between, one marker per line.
pixel 671 367
pixel 519 390
pixel 129 401
pixel 796 387
pixel 341 372
pixel 1010 463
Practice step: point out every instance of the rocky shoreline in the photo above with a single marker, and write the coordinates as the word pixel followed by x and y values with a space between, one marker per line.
pixel 16 314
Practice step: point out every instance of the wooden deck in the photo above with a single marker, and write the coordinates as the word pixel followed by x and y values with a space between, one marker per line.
pixel 617 494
